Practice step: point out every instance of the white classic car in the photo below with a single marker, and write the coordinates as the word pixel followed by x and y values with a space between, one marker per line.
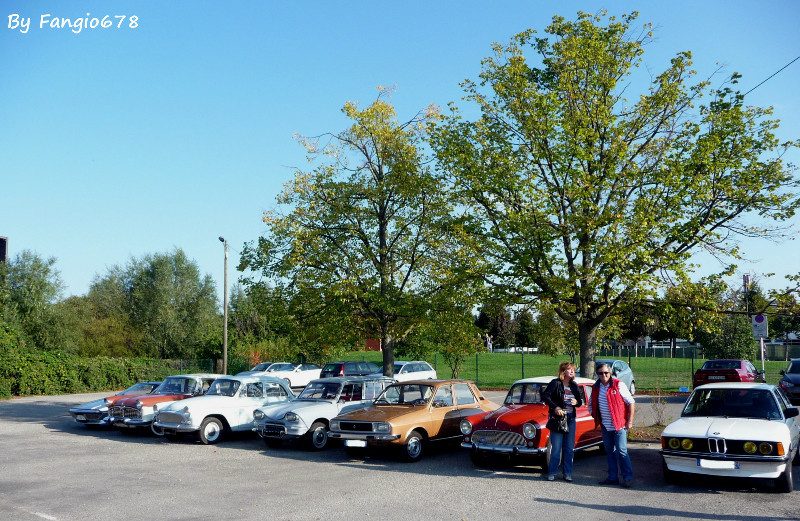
pixel 310 413
pixel 227 406
pixel 734 429
pixel 415 370
pixel 297 375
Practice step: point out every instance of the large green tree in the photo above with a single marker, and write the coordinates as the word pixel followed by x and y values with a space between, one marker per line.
pixel 162 303
pixel 578 197
pixel 365 238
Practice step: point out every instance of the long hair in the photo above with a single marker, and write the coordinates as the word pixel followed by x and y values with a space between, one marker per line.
pixel 562 368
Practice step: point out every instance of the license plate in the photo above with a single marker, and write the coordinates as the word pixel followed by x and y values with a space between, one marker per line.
pixel 355 443
pixel 714 464
pixel 81 417
pixel 716 377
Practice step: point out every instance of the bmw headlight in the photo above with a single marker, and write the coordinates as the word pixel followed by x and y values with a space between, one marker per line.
pixel 765 448
pixel 465 426
pixel 687 444
pixel 382 427
pixel 750 447
pixel 290 417
pixel 258 415
pixel 529 431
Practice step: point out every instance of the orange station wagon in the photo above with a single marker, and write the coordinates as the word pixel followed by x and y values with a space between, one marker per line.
pixel 410 414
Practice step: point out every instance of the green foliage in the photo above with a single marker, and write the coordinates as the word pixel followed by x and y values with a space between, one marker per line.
pixel 733 340
pixel 48 373
pixel 578 199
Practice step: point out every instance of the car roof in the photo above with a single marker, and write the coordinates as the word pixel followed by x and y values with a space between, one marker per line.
pixel 737 385
pixel 340 379
pixel 199 375
pixel 547 379
pixel 258 377
pixel 438 381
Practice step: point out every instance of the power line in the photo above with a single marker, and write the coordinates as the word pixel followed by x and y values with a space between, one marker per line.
pixel 765 81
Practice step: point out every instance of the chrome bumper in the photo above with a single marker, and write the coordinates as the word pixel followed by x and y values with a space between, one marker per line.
pixel 503 449
pixel 364 437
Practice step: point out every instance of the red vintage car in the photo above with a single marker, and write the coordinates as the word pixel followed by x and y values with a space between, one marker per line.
pixel 516 434
pixel 134 412
pixel 727 370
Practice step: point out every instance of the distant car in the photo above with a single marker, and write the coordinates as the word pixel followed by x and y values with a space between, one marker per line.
pixel 361 368
pixel 790 381
pixel 417 370
pixel 726 370
pixel 226 407
pixel 621 371
pixel 296 375
pixel 516 433
pixel 95 413
pixel 136 412
pixel 734 429
pixel 263 367
pixel 308 417
pixel 409 415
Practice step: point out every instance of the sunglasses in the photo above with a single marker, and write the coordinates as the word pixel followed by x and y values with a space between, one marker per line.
pixel 603 372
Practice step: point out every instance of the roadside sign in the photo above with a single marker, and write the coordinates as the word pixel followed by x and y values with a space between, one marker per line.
pixel 760 326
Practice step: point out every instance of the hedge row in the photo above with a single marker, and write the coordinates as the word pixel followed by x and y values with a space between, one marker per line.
pixel 49 373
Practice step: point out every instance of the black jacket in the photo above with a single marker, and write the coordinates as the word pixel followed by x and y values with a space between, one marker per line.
pixel 553 394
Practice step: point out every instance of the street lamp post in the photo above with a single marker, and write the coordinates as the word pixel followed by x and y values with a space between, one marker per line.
pixel 225 313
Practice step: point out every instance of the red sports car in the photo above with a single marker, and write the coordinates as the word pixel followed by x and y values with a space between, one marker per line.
pixel 515 433
pixel 715 371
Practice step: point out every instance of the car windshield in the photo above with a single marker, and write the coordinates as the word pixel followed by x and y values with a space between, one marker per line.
pixel 321 391
pixel 405 394
pixel 524 394
pixel 140 388
pixel 262 367
pixel 794 368
pixel 223 387
pixel 280 367
pixel 177 385
pixel 732 403
pixel 398 368
pixel 721 364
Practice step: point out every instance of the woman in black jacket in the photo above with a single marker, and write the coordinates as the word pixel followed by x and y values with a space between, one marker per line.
pixel 562 396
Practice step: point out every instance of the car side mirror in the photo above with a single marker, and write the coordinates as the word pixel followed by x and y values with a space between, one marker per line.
pixel 792 412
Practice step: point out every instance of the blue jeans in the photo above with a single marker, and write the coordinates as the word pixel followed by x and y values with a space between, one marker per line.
pixel 562 449
pixel 616 445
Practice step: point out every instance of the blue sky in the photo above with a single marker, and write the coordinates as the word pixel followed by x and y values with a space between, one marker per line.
pixel 121 142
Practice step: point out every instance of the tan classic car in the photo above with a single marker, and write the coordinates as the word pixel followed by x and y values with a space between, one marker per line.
pixel 411 414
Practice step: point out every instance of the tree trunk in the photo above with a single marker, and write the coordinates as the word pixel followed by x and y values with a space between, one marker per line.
pixel 587 336
pixel 387 346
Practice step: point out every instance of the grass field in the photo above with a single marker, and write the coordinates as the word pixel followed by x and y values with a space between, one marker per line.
pixel 500 370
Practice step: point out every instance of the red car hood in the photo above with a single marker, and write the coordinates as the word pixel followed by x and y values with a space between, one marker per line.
pixel 152 399
pixel 511 417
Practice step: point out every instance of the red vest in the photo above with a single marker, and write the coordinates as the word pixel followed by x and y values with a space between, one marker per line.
pixel 615 404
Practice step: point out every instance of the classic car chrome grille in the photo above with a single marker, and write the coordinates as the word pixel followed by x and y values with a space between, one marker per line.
pixel 717 446
pixel 125 412
pixel 170 417
pixel 355 426
pixel 502 438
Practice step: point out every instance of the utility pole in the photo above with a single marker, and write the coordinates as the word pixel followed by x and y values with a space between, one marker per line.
pixel 225 313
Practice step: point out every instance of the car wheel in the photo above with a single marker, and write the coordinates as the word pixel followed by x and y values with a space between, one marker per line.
pixel 633 388
pixel 544 459
pixel 210 431
pixel 412 450
pixel 273 443
pixel 670 476
pixel 785 482
pixel 158 431
pixel 317 436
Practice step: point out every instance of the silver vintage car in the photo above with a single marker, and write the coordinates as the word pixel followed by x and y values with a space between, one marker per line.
pixel 308 416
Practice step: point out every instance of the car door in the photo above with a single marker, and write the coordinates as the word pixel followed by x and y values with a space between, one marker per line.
pixel 249 398
pixel 444 414
pixel 351 398
pixel 794 422
pixel 585 431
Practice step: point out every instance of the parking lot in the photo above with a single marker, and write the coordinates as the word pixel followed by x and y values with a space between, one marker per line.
pixel 55 469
